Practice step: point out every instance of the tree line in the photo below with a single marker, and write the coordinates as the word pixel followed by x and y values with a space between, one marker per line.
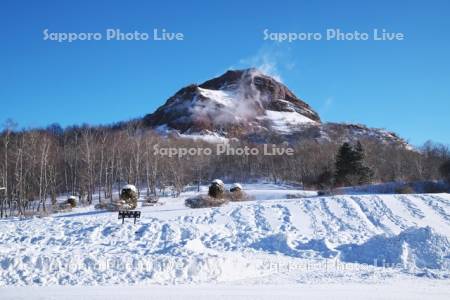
pixel 38 165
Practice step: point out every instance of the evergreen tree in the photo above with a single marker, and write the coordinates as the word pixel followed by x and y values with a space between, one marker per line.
pixel 365 174
pixel 344 160
pixel 359 151
pixel 350 167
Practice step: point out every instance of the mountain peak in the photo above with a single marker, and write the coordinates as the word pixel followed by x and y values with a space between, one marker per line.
pixel 232 77
pixel 244 100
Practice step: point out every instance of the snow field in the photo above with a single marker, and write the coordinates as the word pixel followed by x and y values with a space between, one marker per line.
pixel 273 239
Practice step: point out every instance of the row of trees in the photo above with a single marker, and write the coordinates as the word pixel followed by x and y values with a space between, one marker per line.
pixel 39 164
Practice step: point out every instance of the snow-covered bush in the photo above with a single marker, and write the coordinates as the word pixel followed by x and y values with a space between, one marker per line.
pixel 202 201
pixel 115 205
pixel 324 193
pixel 216 189
pixel 72 200
pixel 129 197
pixel 127 200
pixel 404 189
pixel 237 193
pixel 236 187
pixel 216 196
pixel 150 200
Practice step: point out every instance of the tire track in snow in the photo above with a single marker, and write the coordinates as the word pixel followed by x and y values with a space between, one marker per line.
pixel 441 199
pixel 412 208
pixel 378 213
pixel 315 224
pixel 339 227
pixel 371 217
pixel 362 226
pixel 332 223
pixel 436 205
pixel 395 219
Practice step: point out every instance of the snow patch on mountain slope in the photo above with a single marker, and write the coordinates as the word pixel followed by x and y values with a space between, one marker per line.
pixel 284 121
pixel 225 98
pixel 206 136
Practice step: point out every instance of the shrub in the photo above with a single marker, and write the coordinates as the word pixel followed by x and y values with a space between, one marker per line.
pixel 324 193
pixel 202 201
pixel 129 197
pixel 72 201
pixel 236 193
pixel 238 196
pixel 404 189
pixel 151 201
pixel 216 189
pixel 236 187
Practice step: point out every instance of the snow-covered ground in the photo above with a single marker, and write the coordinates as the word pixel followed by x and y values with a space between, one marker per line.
pixel 288 239
pixel 403 290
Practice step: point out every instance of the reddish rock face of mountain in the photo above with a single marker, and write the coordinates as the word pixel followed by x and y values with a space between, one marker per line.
pixel 273 94
pixel 236 100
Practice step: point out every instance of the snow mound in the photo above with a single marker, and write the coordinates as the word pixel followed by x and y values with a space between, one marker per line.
pixel 277 243
pixel 416 247
pixel 282 244
pixel 318 246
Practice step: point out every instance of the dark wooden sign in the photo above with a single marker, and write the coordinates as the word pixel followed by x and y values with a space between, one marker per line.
pixel 129 214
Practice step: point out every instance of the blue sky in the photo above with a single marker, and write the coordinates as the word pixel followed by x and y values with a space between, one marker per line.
pixel 403 86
